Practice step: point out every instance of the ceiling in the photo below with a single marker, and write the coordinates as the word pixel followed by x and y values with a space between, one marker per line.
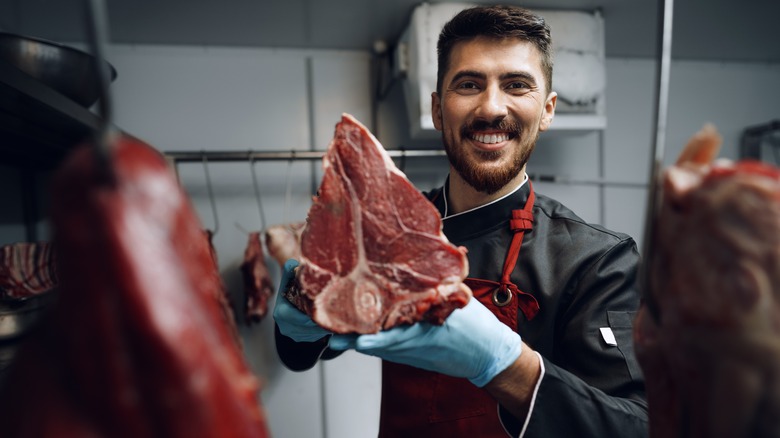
pixel 703 29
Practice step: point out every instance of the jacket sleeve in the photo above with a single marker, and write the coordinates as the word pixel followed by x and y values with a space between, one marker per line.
pixel 592 385
pixel 300 356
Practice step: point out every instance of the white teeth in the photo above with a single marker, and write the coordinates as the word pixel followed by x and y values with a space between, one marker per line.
pixel 491 138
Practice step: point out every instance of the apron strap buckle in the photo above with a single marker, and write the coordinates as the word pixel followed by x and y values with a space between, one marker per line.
pixel 502 296
pixel 525 301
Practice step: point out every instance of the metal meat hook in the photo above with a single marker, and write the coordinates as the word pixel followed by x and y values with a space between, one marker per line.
pixel 257 193
pixel 211 194
pixel 288 187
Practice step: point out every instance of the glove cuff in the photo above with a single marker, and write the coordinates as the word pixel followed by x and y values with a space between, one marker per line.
pixel 508 352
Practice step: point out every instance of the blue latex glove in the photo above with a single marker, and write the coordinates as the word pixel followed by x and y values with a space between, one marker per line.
pixel 292 322
pixel 472 343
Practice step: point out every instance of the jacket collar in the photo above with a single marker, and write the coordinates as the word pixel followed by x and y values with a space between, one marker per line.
pixel 480 219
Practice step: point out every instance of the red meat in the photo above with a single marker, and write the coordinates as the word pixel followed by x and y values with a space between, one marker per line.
pixel 710 348
pixel 136 345
pixel 257 281
pixel 373 253
pixel 221 292
pixel 284 241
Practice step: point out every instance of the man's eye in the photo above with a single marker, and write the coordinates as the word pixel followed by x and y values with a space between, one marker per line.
pixel 518 86
pixel 467 88
pixel 467 85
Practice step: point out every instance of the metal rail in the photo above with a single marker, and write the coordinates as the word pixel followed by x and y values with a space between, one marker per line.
pixel 216 156
pixel 293 155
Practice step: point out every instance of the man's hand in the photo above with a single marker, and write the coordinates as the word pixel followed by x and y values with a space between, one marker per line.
pixel 472 343
pixel 292 322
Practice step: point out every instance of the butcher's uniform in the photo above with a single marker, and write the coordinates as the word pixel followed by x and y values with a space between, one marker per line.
pixel 569 289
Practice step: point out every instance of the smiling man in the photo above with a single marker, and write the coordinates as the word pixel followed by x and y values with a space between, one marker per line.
pixel 492 101
pixel 544 348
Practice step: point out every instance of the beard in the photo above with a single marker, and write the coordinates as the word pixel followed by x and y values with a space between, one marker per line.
pixel 477 175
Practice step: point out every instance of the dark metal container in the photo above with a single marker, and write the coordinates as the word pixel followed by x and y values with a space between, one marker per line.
pixel 68 70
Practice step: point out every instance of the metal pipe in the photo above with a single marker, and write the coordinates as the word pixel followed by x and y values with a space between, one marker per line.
pixel 97 30
pixel 215 156
pixel 654 185
pixel 557 179
pixel 293 155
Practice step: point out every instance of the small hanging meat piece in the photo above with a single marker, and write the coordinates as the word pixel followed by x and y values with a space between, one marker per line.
pixel 708 337
pixel 284 241
pixel 257 282
pixel 221 293
pixel 137 344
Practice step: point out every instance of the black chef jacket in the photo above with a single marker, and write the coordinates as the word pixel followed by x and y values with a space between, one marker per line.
pixel 584 278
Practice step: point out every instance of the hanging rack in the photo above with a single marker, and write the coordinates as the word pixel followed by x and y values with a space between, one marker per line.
pixel 176 157
pixel 214 156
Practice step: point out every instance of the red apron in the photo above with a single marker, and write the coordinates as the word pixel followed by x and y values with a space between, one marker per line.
pixel 420 403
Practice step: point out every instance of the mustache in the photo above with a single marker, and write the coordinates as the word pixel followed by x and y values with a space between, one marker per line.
pixel 510 126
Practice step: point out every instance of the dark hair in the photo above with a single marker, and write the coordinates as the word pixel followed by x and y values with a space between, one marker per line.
pixel 499 22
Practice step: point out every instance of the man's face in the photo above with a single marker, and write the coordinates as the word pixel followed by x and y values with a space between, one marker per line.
pixel 492 106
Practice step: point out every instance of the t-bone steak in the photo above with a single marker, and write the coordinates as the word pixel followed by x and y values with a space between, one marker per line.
pixel 708 336
pixel 373 255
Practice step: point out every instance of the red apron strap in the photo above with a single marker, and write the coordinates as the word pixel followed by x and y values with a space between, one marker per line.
pixel 521 221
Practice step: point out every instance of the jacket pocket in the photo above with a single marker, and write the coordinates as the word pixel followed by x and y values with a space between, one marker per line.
pixel 622 325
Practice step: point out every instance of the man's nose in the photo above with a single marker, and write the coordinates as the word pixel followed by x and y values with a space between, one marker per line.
pixel 492 105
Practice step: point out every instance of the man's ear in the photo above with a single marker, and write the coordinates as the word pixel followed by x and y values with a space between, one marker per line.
pixel 436 111
pixel 549 111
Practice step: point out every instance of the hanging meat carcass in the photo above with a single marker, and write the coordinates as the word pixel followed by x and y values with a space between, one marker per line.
pixel 284 241
pixel 373 254
pixel 257 281
pixel 136 345
pixel 221 293
pixel 708 334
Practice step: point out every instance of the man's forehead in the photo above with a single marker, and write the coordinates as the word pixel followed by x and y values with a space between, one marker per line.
pixel 472 55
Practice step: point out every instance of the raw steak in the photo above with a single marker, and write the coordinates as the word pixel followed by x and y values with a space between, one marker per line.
pixel 136 345
pixel 373 255
pixel 284 241
pixel 257 281
pixel 708 336
pixel 221 293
